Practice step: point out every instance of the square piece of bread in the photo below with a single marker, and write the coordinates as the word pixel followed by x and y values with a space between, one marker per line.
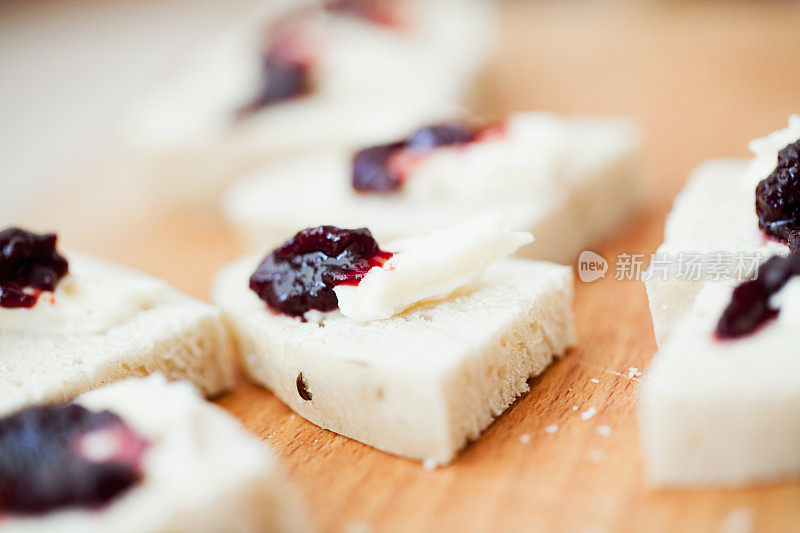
pixel 588 194
pixel 202 471
pixel 723 412
pixel 420 384
pixel 138 326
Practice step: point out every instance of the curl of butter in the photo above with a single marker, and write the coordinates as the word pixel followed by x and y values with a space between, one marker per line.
pixel 429 267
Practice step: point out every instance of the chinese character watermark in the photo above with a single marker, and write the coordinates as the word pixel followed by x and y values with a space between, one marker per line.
pixel 685 266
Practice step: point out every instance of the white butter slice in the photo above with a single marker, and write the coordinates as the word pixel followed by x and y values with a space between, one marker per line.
pixel 429 267
pixel 531 155
pixel 765 149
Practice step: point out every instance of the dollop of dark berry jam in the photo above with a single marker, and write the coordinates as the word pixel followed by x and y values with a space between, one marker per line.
pixel 373 170
pixel 301 274
pixel 749 306
pixel 29 264
pixel 778 198
pixel 47 460
pixel 286 71
pixel 383 12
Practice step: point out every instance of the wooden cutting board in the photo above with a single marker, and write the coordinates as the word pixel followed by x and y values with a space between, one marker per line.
pixel 701 79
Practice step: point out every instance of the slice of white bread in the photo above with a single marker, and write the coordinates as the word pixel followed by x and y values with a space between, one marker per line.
pixel 159 330
pixel 420 384
pixel 202 471
pixel 714 213
pixel 723 412
pixel 595 190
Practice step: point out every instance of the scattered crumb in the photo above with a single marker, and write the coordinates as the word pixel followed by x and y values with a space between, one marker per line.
pixel 291 416
pixel 594 380
pixel 596 456
pixel 634 372
pixel 626 376
pixel 739 520
pixel 569 389
pixel 589 413
pixel 574 407
pixel 604 431
pixel 429 464
pixel 552 428
pixel 525 438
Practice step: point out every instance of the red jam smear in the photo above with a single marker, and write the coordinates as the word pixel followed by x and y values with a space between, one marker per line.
pixel 301 274
pixel 44 463
pixel 381 12
pixel 377 260
pixel 384 168
pixel 29 264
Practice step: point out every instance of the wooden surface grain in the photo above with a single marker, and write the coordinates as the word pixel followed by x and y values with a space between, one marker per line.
pixel 702 79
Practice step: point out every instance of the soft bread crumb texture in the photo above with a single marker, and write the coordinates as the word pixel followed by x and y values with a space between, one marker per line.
pixel 420 384
pixel 202 472
pixel 180 337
